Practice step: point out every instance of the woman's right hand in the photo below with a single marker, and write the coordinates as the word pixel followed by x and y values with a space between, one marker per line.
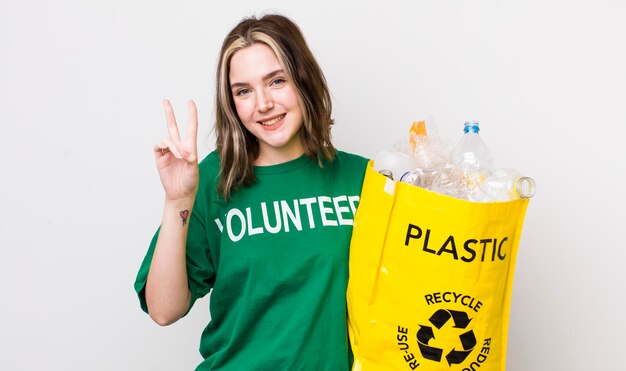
pixel 176 158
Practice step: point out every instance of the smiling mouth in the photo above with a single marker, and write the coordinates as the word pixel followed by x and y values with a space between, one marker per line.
pixel 272 121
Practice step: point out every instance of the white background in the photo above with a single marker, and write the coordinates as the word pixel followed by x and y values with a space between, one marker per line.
pixel 81 84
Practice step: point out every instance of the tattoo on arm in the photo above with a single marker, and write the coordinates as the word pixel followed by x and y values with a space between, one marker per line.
pixel 184 215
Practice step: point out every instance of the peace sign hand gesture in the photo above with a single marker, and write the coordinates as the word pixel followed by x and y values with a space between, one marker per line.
pixel 176 158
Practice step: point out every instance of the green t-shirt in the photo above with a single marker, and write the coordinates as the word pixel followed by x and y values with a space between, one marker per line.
pixel 276 260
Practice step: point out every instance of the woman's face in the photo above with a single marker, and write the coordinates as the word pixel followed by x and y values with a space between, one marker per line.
pixel 267 103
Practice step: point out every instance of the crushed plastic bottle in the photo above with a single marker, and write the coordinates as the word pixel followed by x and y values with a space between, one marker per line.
pixel 426 146
pixel 430 152
pixel 450 181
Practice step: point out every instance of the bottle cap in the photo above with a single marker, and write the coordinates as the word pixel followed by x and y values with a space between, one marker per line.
pixel 471 126
pixel 416 133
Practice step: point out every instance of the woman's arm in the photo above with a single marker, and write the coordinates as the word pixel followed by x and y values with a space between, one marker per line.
pixel 167 288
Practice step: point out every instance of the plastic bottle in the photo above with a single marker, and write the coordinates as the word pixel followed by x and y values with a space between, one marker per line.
pixel 474 160
pixel 429 151
pixel 471 151
pixel 419 146
pixel 450 181
pixel 508 184
pixel 394 161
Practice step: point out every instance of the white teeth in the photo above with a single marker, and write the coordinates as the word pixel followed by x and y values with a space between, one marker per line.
pixel 272 121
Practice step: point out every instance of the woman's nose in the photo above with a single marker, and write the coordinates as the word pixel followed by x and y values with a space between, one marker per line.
pixel 264 101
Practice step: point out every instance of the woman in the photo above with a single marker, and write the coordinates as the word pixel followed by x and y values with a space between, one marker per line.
pixel 263 222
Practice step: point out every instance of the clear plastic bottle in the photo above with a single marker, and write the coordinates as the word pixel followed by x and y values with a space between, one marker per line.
pixel 429 151
pixel 508 184
pixel 474 161
pixel 471 151
pixel 450 181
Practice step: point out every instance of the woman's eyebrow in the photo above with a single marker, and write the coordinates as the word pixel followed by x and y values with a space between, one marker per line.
pixel 272 74
pixel 265 78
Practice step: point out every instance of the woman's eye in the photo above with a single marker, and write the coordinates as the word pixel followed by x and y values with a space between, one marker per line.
pixel 278 81
pixel 241 92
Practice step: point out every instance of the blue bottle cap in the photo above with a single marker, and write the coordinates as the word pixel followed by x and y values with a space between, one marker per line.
pixel 471 126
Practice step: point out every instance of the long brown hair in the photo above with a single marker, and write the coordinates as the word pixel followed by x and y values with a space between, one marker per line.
pixel 236 146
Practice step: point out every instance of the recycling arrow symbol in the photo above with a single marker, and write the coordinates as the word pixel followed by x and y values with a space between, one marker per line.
pixel 438 319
